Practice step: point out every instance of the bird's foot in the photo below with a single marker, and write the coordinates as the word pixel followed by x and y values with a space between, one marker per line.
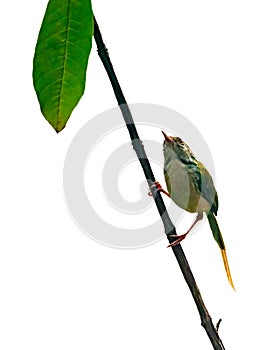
pixel 158 187
pixel 181 237
pixel 178 240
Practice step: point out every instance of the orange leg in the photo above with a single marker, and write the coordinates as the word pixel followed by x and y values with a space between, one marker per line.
pixel 181 237
pixel 158 188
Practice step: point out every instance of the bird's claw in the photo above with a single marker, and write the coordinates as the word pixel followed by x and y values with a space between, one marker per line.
pixel 157 186
pixel 180 238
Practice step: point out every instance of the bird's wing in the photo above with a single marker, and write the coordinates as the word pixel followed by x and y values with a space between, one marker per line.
pixel 207 188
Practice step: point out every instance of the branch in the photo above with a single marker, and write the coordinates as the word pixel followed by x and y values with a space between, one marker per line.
pixel 169 228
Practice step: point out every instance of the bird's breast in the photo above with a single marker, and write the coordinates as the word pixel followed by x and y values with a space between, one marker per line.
pixel 181 185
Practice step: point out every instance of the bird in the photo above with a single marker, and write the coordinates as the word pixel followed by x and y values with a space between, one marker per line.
pixel 191 187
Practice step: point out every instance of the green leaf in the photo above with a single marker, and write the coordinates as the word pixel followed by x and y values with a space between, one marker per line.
pixel 61 57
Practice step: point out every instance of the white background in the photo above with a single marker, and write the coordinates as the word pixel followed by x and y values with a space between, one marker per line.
pixel 216 62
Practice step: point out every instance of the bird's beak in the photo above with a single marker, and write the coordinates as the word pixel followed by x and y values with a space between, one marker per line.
pixel 167 138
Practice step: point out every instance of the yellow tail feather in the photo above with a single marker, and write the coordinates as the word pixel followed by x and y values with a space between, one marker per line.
pixel 225 260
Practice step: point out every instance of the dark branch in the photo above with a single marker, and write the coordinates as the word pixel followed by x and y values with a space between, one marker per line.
pixel 206 320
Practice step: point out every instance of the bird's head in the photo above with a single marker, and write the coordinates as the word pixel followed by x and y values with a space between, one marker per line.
pixel 176 146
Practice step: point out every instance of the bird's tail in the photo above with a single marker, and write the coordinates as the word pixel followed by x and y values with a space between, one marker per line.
pixel 219 239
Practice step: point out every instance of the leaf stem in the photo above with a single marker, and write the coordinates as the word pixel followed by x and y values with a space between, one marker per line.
pixel 137 144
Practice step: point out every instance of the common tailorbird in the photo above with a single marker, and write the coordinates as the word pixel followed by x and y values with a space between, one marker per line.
pixel 191 187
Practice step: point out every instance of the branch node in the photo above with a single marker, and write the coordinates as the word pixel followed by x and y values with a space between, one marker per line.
pixel 138 147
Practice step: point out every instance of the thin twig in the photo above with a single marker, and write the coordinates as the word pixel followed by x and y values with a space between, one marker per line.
pixel 169 228
pixel 218 324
